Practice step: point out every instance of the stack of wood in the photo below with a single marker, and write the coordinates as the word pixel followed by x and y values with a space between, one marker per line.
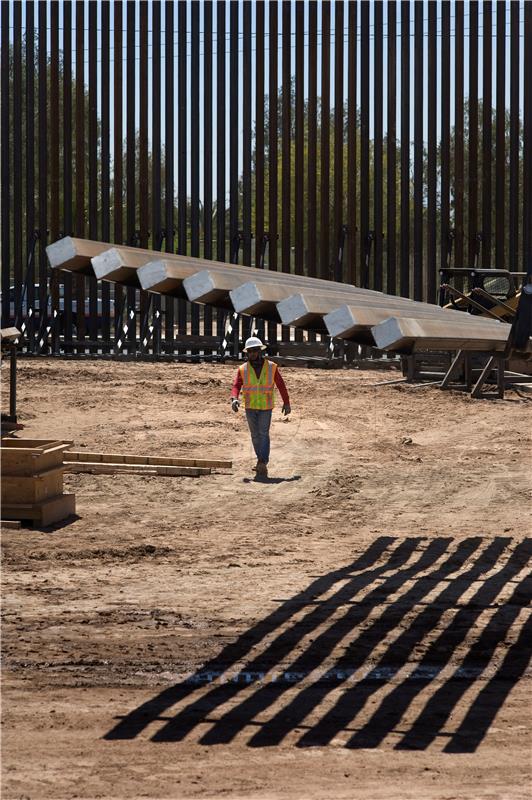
pixel 32 481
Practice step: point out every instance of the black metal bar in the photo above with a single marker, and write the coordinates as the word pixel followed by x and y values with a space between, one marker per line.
pixel 195 152
pixel 259 135
pixel 459 133
pixel 338 211
pixel 431 271
pixel 43 169
pixel 221 145
pixel 286 136
pixel 527 143
pixel 377 277
pixel 105 171
pixel 67 160
pixel 169 215
pixel 487 154
pixel 513 183
pixel 234 110
pixel 131 166
pixel 143 167
pixel 80 145
pixel 13 383
pixel 500 141
pixel 325 255
pixel 418 151
pixel 272 148
pixel 118 171
pixel 473 133
pixel 183 306
pixel 391 153
pixel 404 278
pixel 5 161
pixel 299 163
pixel 234 128
pixel 17 144
pixel 445 130
pixel 143 127
pixel 207 149
pixel 93 164
pixel 246 148
pixel 312 138
pixel 246 134
pixel 351 244
pixel 54 167
pixel 364 144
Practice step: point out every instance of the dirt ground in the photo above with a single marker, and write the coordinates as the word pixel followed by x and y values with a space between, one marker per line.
pixel 358 626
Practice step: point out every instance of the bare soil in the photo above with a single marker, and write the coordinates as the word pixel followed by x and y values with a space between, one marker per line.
pixel 357 626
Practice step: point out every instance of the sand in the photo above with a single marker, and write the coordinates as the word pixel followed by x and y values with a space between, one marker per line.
pixel 358 626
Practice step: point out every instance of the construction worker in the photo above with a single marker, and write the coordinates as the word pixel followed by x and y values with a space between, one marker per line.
pixel 256 379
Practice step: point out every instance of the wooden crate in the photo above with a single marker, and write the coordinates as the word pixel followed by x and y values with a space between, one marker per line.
pixel 32 481
pixel 32 489
pixel 43 513
pixel 28 457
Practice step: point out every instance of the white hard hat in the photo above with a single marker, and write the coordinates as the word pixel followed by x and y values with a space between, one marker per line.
pixel 253 341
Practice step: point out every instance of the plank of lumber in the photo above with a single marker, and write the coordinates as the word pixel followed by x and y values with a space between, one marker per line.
pixel 127 458
pixel 410 334
pixel 135 469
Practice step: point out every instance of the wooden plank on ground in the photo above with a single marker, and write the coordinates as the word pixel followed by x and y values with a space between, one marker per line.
pixel 167 461
pixel 111 468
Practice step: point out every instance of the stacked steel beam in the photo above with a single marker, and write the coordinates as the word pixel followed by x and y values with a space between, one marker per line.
pixel 341 310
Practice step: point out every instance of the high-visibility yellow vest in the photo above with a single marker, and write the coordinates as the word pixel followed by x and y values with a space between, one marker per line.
pixel 258 392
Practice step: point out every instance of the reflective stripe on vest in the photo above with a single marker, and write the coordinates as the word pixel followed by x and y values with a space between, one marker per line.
pixel 258 392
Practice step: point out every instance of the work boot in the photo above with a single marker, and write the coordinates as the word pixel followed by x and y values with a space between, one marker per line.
pixel 261 469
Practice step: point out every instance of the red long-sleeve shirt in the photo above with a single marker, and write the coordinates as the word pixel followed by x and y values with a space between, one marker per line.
pixel 279 382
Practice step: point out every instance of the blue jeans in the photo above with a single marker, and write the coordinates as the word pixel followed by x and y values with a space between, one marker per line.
pixel 259 427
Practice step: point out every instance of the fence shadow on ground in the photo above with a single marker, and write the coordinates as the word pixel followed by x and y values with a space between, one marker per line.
pixel 410 628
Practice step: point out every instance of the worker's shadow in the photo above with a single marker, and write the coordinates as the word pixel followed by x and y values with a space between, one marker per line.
pixel 261 479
